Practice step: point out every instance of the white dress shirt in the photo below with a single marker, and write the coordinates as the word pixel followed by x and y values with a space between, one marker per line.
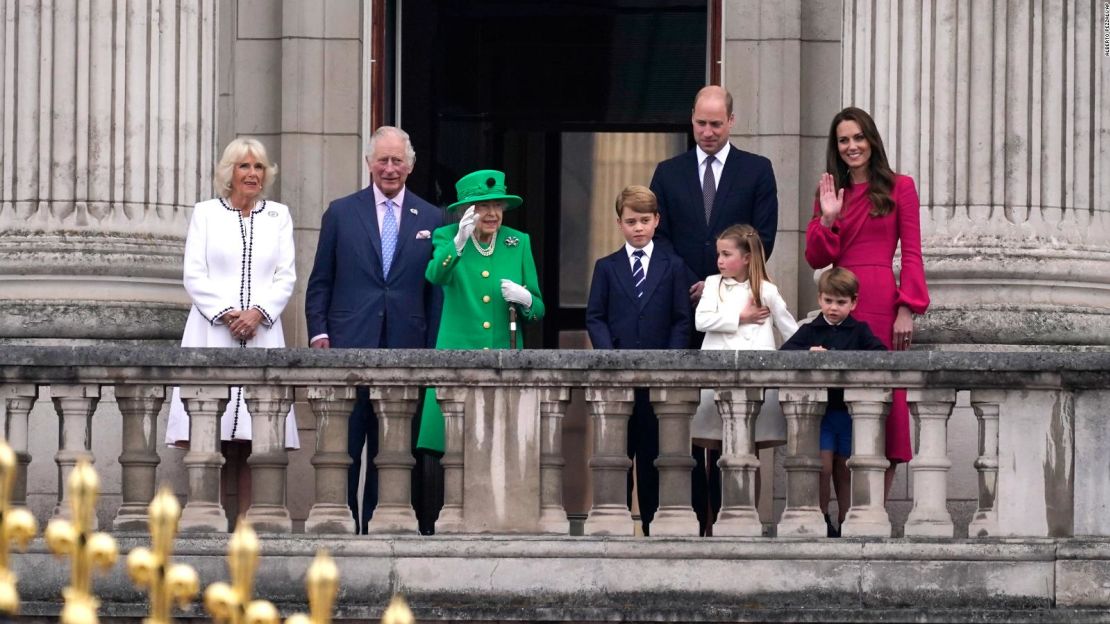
pixel 645 260
pixel 718 164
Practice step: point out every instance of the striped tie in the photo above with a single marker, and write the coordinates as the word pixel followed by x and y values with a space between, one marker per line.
pixel 638 275
pixel 389 237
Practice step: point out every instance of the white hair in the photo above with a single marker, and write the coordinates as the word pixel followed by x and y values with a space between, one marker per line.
pixel 235 152
pixel 410 153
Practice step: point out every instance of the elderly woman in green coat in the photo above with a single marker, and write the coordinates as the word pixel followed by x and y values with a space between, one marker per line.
pixel 484 268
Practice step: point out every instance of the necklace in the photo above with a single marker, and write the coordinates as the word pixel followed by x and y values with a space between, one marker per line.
pixel 488 251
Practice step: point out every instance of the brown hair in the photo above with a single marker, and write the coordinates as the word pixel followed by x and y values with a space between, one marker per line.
pixel 838 282
pixel 880 176
pixel 637 199
pixel 747 240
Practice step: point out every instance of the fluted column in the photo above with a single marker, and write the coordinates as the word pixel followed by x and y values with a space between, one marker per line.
pixel 1000 112
pixel 610 408
pixel 452 402
pixel 203 510
pixel 269 407
pixel 139 405
pixel 867 517
pixel 674 409
pixel 803 409
pixel 553 408
pixel 929 466
pixel 107 114
pixel 984 523
pixel 332 406
pixel 395 407
pixel 18 400
pixel 75 405
pixel 739 409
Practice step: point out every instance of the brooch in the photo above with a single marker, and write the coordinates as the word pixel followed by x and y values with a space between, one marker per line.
pixel 511 241
pixel 412 210
pixel 272 213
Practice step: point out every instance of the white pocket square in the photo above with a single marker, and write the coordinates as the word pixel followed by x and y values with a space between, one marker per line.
pixel 423 234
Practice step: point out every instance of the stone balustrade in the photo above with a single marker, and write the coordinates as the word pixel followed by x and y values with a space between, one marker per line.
pixel 1040 422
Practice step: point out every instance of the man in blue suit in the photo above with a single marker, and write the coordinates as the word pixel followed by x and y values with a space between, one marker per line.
pixel 639 300
pixel 367 287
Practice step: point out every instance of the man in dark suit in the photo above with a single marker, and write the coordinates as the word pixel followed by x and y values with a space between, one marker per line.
pixel 639 300
pixel 367 287
pixel 702 192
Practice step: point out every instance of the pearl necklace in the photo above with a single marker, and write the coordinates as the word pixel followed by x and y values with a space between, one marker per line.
pixel 487 251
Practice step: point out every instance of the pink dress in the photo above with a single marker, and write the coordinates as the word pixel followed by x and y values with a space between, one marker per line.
pixel 865 245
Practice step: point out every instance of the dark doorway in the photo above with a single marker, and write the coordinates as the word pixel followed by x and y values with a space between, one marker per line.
pixel 543 90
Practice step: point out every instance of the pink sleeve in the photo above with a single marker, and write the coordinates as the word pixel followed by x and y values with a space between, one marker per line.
pixel 912 290
pixel 822 243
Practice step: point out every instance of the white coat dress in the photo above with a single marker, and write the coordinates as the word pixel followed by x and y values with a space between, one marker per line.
pixel 235 263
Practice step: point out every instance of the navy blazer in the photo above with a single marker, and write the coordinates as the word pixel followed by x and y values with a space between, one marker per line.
pixel 849 335
pixel 347 297
pixel 746 193
pixel 661 319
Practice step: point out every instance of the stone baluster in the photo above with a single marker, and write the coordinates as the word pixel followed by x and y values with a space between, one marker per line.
pixel 395 407
pixel 803 408
pixel 868 463
pixel 929 466
pixel 553 407
pixel 269 407
pixel 332 406
pixel 75 405
pixel 139 405
pixel 452 402
pixel 674 409
pixel 18 401
pixel 739 409
pixel 985 521
pixel 203 512
pixel 610 408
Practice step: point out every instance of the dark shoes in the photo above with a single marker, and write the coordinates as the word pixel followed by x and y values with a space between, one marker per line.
pixel 830 530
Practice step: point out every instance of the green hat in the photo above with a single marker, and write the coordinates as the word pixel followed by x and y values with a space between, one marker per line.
pixel 483 185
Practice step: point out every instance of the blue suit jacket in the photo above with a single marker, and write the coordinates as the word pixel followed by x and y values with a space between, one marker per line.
pixel 347 296
pixel 661 319
pixel 746 193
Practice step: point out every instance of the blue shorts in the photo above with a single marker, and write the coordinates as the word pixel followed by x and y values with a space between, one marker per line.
pixel 836 432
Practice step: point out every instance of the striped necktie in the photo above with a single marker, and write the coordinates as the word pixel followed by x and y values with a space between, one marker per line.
pixel 389 237
pixel 638 274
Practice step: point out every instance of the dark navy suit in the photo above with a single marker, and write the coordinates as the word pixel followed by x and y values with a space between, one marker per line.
pixel 349 299
pixel 660 319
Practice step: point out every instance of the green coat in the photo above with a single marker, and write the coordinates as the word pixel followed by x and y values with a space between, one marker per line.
pixel 475 316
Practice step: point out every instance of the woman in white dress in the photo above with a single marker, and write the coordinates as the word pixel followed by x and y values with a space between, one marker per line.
pixel 239 273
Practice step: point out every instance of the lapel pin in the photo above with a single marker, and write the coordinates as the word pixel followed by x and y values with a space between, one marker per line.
pixel 413 210
pixel 272 213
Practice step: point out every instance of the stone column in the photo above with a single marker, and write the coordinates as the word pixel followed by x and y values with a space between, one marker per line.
pixel 867 517
pixel 75 405
pixel 739 516
pixel 395 407
pixel 332 406
pixel 610 408
pixel 203 510
pixel 929 466
pixel 674 408
pixel 985 521
pixel 107 116
pixel 553 407
pixel 452 402
pixel 1001 113
pixel 269 407
pixel 18 401
pixel 139 405
pixel 803 408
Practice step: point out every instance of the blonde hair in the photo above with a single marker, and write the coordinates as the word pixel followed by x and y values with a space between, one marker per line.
pixel 234 153
pixel 638 199
pixel 747 241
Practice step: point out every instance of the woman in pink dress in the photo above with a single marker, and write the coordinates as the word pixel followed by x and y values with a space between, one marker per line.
pixel 863 210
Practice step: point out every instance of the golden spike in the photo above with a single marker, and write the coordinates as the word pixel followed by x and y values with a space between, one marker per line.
pixel 150 568
pixel 398 612
pixel 87 550
pixel 322 584
pixel 232 603
pixel 17 526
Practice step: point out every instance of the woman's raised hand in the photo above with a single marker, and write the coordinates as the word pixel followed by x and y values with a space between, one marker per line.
pixel 832 200
pixel 466 228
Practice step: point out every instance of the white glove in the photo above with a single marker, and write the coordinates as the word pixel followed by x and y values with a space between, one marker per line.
pixel 466 228
pixel 515 293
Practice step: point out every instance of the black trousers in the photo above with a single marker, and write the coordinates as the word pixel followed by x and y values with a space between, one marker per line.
pixel 705 491
pixel 643 446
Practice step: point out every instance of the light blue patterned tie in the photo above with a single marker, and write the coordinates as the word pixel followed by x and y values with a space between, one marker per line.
pixel 389 237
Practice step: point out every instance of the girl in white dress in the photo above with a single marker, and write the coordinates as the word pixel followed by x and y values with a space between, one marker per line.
pixel 239 273
pixel 737 310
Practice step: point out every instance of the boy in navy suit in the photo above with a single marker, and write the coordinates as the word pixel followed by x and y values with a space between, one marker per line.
pixel 639 299
pixel 835 329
